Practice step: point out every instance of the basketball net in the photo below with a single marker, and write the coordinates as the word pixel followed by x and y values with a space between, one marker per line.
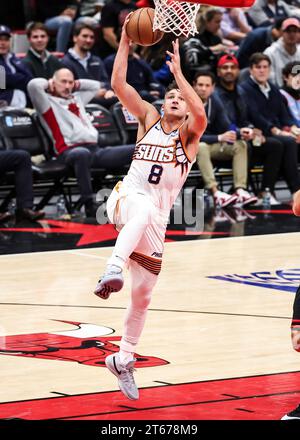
pixel 176 17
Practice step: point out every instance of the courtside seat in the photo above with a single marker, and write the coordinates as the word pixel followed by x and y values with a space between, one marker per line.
pixel 103 120
pixel 21 130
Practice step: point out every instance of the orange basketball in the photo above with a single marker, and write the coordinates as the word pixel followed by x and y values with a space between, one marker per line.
pixel 140 27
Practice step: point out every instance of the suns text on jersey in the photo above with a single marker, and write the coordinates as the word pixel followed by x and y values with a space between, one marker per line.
pixel 155 153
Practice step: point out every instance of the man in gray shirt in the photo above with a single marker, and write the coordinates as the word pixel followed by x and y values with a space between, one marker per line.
pixel 61 103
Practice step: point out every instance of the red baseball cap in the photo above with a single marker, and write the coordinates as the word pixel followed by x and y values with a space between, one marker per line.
pixel 290 22
pixel 227 59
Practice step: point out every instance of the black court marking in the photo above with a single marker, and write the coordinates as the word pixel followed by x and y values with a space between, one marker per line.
pixel 162 382
pixel 149 310
pixel 200 402
pixel 60 394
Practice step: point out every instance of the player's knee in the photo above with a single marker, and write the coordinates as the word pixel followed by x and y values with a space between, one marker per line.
pixel 142 298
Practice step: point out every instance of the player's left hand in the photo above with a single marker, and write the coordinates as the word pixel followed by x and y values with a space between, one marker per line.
pixel 124 35
pixel 174 63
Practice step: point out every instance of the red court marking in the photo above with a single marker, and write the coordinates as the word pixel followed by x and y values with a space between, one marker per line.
pixel 250 398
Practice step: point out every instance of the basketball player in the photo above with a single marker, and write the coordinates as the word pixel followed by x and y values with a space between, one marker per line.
pixel 139 206
pixel 295 326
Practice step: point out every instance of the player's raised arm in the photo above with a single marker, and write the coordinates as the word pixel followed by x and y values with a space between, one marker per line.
pixel 197 121
pixel 128 96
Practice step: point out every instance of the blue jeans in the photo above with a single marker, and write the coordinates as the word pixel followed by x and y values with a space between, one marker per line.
pixel 63 25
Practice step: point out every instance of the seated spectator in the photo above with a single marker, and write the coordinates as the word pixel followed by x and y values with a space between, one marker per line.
pixel 139 75
pixel 209 31
pixel 267 111
pixel 90 12
pixel 17 75
pixel 257 41
pixel 156 57
pixel 200 52
pixel 286 49
pixel 39 61
pixel 265 12
pixel 61 101
pixel 58 16
pixel 263 151
pixel 291 91
pixel 220 143
pixel 85 65
pixel 19 162
pixel 234 25
pixel 112 19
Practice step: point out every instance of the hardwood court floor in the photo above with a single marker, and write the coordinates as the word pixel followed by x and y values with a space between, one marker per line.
pixel 212 348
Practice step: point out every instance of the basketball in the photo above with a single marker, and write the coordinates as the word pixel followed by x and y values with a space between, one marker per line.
pixel 140 27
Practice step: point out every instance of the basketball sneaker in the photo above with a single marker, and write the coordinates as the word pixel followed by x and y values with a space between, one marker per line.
pixel 111 281
pixel 222 199
pixel 244 197
pixel 292 415
pixel 124 373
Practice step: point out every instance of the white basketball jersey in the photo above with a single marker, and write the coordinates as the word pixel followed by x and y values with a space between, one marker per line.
pixel 160 166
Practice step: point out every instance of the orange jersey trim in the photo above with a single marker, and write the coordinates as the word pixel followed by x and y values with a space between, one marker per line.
pixel 183 145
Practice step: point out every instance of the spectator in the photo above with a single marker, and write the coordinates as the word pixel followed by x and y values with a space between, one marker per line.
pixel 200 51
pixel 220 143
pixel 291 91
pixel 60 101
pixel 112 18
pixel 19 162
pixel 17 74
pixel 139 75
pixel 85 65
pixel 234 25
pixel 268 112
pixel 284 50
pixel 58 16
pixel 263 151
pixel 257 41
pixel 39 61
pixel 265 12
